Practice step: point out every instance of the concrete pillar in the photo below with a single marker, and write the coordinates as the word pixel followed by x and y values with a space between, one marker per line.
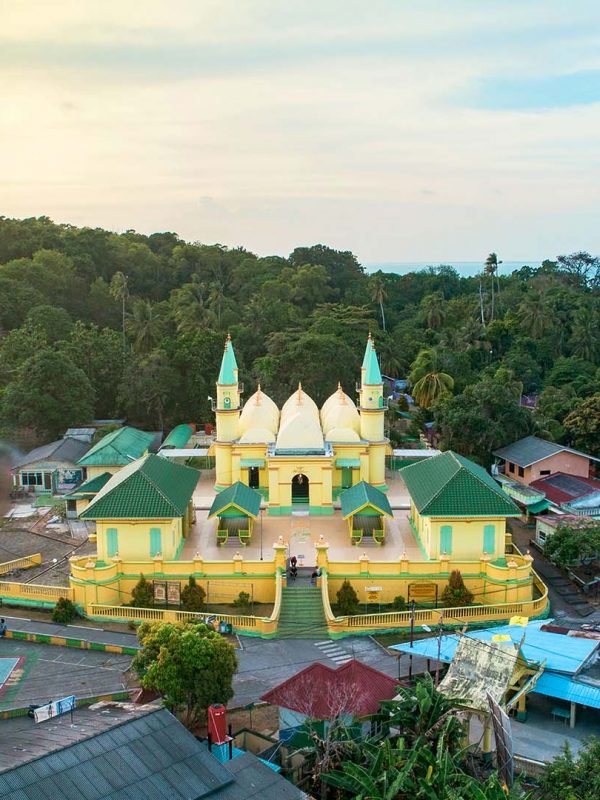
pixel 364 564
pixel 280 550
pixel 404 566
pixel 486 746
pixel 572 717
pixel 158 563
pixel 238 564
pixel 198 563
pixel 522 708
pixel 322 547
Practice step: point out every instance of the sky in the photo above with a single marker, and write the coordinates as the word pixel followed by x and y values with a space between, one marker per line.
pixel 421 130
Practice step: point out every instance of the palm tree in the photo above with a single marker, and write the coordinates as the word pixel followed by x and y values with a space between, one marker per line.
pixel 145 326
pixel 585 341
pixel 216 297
pixel 391 363
pixel 188 306
pixel 428 380
pixel 491 269
pixel 119 289
pixel 534 315
pixel 378 293
pixel 433 306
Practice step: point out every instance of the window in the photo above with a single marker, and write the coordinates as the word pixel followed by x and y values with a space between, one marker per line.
pixel 112 542
pixel 155 542
pixel 521 472
pixel 32 479
pixel 446 539
pixel 511 466
pixel 541 536
pixel 489 539
pixel 545 472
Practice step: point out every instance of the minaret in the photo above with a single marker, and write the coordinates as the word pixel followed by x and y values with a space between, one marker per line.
pixel 227 412
pixel 372 414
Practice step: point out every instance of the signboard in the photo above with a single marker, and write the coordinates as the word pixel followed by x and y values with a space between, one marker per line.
pixel 54 709
pixel 426 592
pixel 174 592
pixel 160 591
pixel 373 593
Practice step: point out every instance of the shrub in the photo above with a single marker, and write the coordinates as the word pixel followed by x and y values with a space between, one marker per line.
pixel 242 601
pixel 142 595
pixel 347 599
pixel 64 611
pixel 456 593
pixel 399 603
pixel 192 596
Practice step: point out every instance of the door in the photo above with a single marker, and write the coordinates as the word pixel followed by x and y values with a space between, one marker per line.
pixel 48 480
pixel 253 477
pixel 155 542
pixel 446 540
pixel 112 542
pixel 489 539
pixel 346 477
pixel 300 489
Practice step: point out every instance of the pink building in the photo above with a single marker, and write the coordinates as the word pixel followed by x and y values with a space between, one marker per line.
pixel 531 458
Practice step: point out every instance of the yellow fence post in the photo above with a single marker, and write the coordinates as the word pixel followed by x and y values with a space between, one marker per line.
pixel 280 549
pixel 322 547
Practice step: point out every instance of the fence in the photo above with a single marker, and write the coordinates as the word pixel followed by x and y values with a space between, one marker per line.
pixel 21 563
pixel 33 594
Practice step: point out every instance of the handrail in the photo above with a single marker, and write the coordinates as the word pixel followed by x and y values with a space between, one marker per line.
pixel 11 590
pixel 329 616
pixel 21 563
pixel 274 618
pixel 169 615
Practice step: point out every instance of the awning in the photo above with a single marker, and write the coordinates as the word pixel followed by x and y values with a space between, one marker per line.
pixel 537 508
pixel 251 462
pixel 347 462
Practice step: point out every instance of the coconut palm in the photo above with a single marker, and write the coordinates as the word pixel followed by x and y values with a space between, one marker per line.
pixel 145 325
pixel 378 293
pixel 188 307
pixel 435 313
pixel 119 289
pixel 491 269
pixel 428 380
pixel 533 314
pixel 585 341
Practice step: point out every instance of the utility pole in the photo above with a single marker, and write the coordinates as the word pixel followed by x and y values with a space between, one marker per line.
pixel 412 622
pixel 439 649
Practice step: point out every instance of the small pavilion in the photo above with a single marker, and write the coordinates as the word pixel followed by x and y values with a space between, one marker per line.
pixel 236 509
pixel 365 509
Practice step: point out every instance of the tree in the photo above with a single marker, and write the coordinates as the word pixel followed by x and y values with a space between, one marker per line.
pixel 378 293
pixel 581 269
pixel 491 269
pixel 433 307
pixel 119 289
pixel 583 425
pixel 49 394
pixel 571 544
pixel 55 323
pixel 191 665
pixel 147 389
pixel 145 325
pixel 192 596
pixel 64 611
pixel 456 593
pixel 347 599
pixel 142 595
pixel 429 381
pixel 573 778
pixel 585 339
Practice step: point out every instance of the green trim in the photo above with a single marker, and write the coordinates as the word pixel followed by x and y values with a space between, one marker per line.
pixel 347 462
pixel 251 462
pixel 411 522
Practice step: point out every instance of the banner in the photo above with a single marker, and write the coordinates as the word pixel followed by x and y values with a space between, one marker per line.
pixel 54 709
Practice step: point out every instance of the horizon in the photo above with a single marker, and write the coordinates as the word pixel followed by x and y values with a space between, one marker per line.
pixel 383 130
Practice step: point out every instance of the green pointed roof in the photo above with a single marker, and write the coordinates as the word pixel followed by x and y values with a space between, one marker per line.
pixel 118 448
pixel 450 485
pixel 367 350
pixel 228 365
pixel 361 495
pixel 373 373
pixel 150 488
pixel 88 489
pixel 241 497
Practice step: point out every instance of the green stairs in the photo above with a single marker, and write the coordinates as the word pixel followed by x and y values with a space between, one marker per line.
pixel 301 615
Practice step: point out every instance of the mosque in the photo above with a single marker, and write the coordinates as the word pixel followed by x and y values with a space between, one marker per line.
pixel 300 457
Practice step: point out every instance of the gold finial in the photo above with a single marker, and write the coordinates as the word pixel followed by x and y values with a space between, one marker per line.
pixel 228 337
pixel 370 335
pixel 299 401
pixel 258 395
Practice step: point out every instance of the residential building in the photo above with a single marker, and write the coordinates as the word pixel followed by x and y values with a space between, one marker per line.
pixel 51 468
pixel 532 458
pixel 116 450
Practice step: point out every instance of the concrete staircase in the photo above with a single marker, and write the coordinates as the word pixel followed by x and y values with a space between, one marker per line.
pixel 301 615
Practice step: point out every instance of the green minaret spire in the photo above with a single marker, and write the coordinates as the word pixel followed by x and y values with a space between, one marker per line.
pixel 229 365
pixel 372 373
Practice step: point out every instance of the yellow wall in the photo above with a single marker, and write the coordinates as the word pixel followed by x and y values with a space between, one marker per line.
pixel 243 451
pixel 134 537
pixel 467 535
pixel 318 471
pixel 100 469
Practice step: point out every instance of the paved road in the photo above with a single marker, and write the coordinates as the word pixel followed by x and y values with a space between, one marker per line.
pixel 96 635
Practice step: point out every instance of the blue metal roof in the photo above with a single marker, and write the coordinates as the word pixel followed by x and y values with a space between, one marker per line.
pixel 564 688
pixel 565 654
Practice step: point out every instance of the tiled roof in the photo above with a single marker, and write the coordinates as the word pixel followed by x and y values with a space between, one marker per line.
pixel 320 692
pixel 450 485
pixel 361 495
pixel 89 488
pixel 67 451
pixel 239 495
pixel 150 488
pixel 118 448
pixel 179 436
pixel 531 449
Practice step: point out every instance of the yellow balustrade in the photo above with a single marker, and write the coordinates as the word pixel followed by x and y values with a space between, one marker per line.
pixel 10 590
pixel 21 563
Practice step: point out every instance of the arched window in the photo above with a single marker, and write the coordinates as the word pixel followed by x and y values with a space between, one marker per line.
pixel 446 539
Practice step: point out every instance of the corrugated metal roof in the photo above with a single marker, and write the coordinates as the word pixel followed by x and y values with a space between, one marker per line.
pixel 179 436
pixel 118 448
pixel 561 653
pixel 532 449
pixel 67 451
pixel 564 688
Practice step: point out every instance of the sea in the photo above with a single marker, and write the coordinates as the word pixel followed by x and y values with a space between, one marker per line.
pixel 465 268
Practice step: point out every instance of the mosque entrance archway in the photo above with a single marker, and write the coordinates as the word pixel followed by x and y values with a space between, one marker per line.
pixel 300 489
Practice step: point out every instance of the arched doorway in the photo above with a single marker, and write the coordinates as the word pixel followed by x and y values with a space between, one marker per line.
pixel 299 489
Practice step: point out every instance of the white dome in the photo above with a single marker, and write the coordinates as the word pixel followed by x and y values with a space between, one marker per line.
pixel 259 412
pixel 333 400
pixel 342 435
pixel 257 436
pixel 299 400
pixel 300 431
pixel 342 416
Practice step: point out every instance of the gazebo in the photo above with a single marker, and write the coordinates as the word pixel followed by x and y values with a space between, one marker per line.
pixel 365 508
pixel 236 508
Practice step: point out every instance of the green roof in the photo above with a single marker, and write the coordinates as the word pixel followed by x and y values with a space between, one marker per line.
pixel 240 496
pixel 89 488
pixel 373 373
pixel 118 448
pixel 150 488
pixel 363 494
pixel 179 436
pixel 367 350
pixel 228 365
pixel 450 485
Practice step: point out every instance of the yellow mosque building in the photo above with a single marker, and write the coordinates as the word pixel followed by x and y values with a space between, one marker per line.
pixel 300 456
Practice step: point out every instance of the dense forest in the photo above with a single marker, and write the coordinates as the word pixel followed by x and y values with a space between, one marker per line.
pixel 95 324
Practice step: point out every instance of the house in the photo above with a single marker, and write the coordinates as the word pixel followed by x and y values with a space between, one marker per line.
pixel 145 510
pixel 52 467
pixel 546 524
pixel 456 508
pixel 83 434
pixel 566 662
pixel 236 507
pixel 532 458
pixel 574 495
pixel 365 509
pixel 79 498
pixel 119 752
pixel 115 450
pixel 318 694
